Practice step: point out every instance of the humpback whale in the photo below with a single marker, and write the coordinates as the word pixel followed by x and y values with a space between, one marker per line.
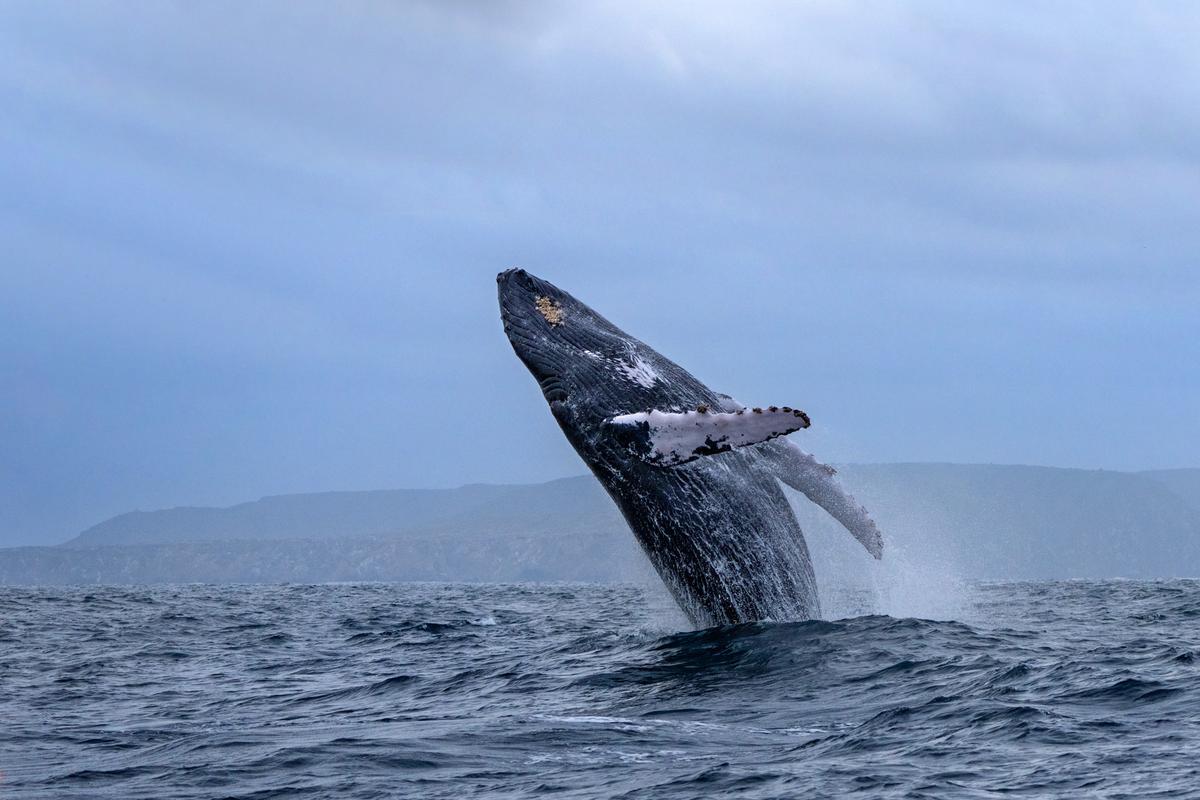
pixel 695 473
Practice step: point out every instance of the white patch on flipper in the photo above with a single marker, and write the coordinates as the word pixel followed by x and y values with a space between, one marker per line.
pixel 677 438
pixel 640 372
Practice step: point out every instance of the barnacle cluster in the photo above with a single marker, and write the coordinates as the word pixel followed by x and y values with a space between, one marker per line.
pixel 550 310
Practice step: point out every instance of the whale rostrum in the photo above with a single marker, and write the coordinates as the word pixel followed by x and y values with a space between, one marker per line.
pixel 696 474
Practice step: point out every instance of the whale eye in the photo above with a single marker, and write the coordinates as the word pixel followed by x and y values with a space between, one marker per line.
pixel 549 309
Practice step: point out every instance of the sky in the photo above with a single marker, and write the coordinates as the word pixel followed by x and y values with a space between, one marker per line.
pixel 250 248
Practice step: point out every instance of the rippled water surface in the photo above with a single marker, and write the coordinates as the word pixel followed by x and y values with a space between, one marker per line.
pixel 366 691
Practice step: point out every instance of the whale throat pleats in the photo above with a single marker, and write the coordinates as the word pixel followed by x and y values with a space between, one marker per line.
pixel 669 438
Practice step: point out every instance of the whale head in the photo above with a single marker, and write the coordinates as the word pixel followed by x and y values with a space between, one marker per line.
pixel 585 365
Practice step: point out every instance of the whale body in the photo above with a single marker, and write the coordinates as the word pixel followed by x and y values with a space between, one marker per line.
pixel 695 473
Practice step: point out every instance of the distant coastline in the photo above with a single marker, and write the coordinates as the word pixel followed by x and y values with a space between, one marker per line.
pixel 989 521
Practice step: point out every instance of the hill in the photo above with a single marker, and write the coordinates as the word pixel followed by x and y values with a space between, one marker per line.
pixel 350 515
pixel 1183 482
pixel 979 521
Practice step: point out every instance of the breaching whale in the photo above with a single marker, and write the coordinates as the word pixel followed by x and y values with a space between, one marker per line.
pixel 695 473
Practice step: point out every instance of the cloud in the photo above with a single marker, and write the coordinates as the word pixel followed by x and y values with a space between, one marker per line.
pixel 272 229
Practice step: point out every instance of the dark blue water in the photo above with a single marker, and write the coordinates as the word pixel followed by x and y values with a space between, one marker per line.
pixel 436 691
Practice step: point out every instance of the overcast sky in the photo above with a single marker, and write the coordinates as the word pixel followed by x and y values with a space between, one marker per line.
pixel 250 248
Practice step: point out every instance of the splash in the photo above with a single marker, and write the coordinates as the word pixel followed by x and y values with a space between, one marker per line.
pixel 915 578
pixel 663 614
pixel 914 582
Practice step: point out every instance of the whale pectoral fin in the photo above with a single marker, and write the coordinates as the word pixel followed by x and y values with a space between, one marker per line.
pixel 668 438
pixel 816 481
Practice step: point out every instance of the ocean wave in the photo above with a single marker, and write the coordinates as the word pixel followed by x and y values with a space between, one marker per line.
pixel 457 691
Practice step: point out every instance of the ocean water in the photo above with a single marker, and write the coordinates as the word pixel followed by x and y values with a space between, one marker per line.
pixel 449 691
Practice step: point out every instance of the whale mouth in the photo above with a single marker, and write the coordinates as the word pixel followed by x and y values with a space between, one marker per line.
pixel 532 314
pixel 517 299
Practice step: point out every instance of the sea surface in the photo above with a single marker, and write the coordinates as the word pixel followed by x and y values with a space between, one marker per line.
pixel 577 691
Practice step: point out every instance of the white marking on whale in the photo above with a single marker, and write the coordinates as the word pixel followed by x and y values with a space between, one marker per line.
pixel 677 438
pixel 640 372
